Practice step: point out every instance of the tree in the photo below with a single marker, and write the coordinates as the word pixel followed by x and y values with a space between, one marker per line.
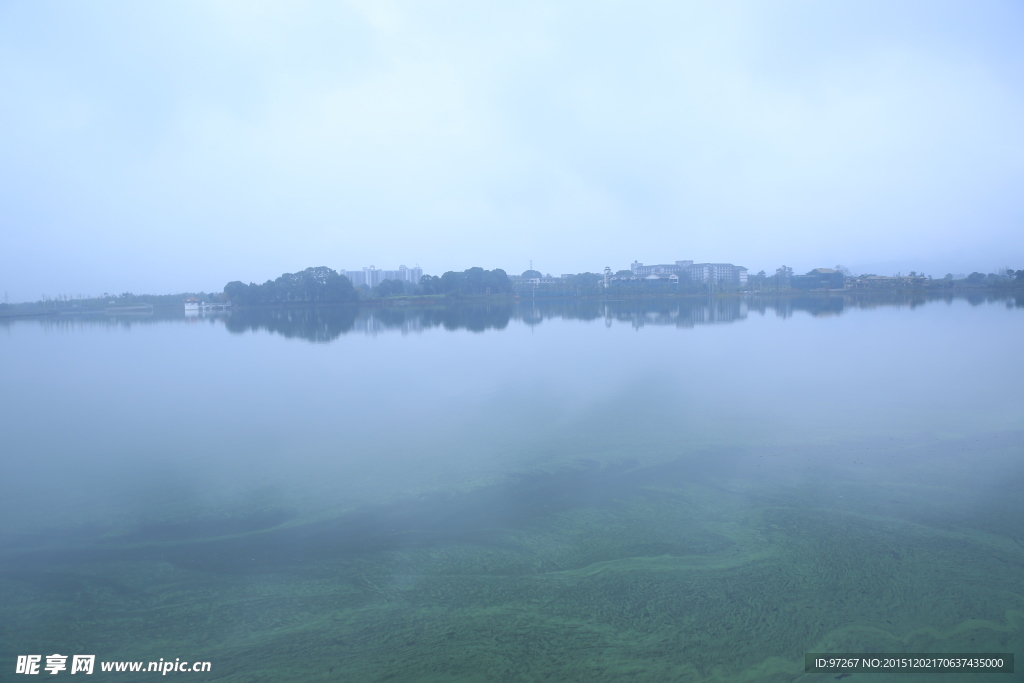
pixel 390 288
pixel 475 282
pixel 430 284
pixel 312 285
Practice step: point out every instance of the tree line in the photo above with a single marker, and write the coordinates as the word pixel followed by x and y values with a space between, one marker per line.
pixel 322 285
pixel 471 282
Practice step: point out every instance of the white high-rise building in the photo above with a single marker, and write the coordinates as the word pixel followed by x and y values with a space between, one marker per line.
pixel 371 276
pixel 718 273
pixel 640 270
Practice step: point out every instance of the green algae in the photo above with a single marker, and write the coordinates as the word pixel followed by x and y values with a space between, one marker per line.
pixel 657 574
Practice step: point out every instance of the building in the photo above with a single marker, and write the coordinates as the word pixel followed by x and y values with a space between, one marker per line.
pixel 708 273
pixel 372 276
pixel 403 274
pixel 718 273
pixel 819 278
pixel 894 282
pixel 368 277
pixel 640 270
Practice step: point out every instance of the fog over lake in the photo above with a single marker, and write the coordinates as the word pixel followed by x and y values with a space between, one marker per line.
pixel 687 489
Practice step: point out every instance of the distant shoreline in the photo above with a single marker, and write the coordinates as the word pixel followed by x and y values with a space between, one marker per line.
pixel 443 301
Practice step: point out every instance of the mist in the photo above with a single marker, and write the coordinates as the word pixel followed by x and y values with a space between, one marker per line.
pixel 166 147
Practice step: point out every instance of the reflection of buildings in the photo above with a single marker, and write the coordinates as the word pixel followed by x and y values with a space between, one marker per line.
pixel 194 306
pixel 327 323
pixel 373 322
pixel 372 276
pixel 683 314
pixel 715 273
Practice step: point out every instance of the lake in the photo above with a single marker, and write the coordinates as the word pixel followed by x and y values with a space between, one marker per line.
pixel 646 490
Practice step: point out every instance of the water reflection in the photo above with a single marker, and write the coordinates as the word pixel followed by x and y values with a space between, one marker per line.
pixel 579 488
pixel 325 324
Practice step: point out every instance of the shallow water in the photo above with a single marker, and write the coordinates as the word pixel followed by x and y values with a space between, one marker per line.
pixel 658 490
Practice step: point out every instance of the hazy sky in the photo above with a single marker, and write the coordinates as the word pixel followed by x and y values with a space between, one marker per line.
pixel 169 146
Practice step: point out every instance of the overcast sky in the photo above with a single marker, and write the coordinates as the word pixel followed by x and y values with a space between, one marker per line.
pixel 159 147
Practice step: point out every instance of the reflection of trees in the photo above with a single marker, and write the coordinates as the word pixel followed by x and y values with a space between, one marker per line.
pixel 74 320
pixel 678 312
pixel 472 318
pixel 690 311
pixel 311 323
pixel 786 306
pixel 834 304
pixel 326 323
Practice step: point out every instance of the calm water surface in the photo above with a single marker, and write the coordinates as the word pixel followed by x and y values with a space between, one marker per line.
pixel 656 491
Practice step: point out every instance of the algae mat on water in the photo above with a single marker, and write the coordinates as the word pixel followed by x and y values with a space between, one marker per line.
pixel 603 575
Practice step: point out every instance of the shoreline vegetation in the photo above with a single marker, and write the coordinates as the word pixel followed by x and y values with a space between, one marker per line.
pixel 323 286
pixel 321 323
